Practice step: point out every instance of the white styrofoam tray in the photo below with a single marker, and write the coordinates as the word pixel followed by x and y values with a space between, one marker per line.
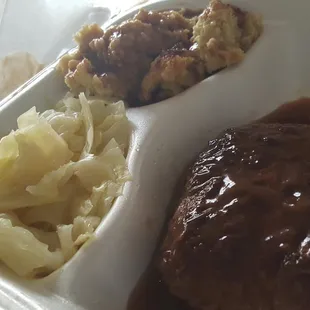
pixel 166 136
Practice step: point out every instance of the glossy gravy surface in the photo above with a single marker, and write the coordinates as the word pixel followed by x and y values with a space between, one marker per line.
pixel 151 292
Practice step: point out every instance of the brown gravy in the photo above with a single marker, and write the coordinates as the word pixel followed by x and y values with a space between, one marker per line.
pixel 156 55
pixel 151 293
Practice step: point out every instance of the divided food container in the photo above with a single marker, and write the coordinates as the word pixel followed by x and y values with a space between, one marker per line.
pixel 166 136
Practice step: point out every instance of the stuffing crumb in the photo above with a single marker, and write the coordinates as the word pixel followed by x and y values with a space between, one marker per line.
pixel 223 34
pixel 156 55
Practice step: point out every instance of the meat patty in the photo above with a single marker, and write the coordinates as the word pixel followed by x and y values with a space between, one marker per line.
pixel 239 239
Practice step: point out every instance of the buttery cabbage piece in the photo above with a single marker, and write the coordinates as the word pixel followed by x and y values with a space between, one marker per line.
pixel 60 172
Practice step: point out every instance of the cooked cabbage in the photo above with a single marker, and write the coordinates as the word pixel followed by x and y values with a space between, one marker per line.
pixel 24 253
pixel 60 172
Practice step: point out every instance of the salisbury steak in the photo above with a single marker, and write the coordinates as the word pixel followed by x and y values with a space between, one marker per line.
pixel 239 237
